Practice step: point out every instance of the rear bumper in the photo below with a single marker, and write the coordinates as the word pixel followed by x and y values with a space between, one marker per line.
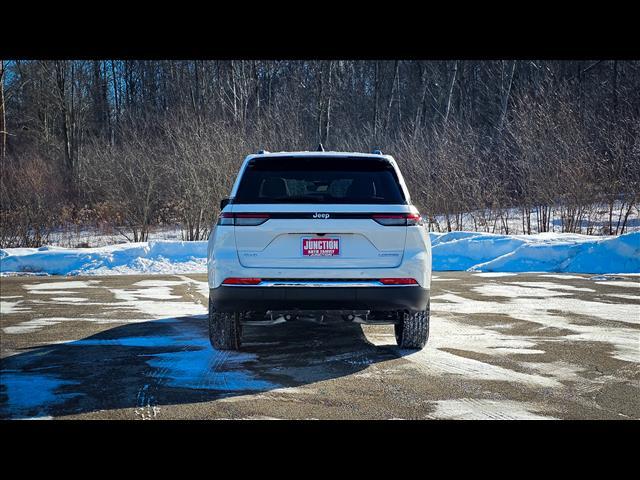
pixel 250 298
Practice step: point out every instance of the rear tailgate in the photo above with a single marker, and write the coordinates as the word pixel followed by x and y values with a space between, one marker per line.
pixel 345 239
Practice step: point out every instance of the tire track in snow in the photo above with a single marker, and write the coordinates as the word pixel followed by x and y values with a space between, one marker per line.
pixel 200 288
pixel 147 408
pixel 207 380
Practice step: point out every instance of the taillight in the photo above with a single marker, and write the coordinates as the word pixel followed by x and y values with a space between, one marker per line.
pixel 250 219
pixel 225 219
pixel 241 281
pixel 243 219
pixel 397 219
pixel 414 219
pixel 398 281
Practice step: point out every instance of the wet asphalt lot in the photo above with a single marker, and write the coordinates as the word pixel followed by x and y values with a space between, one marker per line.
pixel 525 346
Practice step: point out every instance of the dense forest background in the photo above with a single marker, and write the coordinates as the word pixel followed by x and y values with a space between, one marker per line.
pixel 130 145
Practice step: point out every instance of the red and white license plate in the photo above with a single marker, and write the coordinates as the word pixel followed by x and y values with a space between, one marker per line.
pixel 320 247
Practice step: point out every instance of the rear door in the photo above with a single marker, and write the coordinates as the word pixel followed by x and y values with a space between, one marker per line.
pixel 318 212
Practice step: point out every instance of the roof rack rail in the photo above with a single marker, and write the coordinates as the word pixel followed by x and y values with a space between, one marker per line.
pixel 320 148
pixel 377 151
pixel 262 152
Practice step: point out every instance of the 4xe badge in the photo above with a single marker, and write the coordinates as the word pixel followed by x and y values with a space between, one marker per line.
pixel 323 216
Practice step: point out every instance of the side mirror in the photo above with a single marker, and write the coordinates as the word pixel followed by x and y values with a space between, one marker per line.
pixel 223 203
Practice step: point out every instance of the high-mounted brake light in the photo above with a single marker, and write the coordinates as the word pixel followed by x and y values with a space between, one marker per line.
pixel 243 219
pixel 398 281
pixel 397 219
pixel 241 281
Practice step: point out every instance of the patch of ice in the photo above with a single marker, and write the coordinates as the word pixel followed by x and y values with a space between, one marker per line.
pixel 7 307
pixel 482 409
pixel 562 371
pixel 207 369
pixel 435 362
pixel 494 274
pixel 506 290
pixel 67 284
pixel 70 299
pixel 552 285
pixel 36 324
pixel 154 293
pixel 145 301
pixel 150 341
pixel 625 340
pixel 619 283
pixel 622 295
pixel 450 334
pixel 31 395
pixel 563 277
pixel 53 292
pixel 159 283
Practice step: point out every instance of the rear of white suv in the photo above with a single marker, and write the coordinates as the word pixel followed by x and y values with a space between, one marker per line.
pixel 319 233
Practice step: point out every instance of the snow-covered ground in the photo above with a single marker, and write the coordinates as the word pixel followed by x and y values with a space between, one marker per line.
pixel 482 252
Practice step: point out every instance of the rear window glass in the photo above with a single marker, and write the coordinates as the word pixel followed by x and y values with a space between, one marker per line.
pixel 319 180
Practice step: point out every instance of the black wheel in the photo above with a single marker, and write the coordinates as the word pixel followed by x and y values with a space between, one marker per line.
pixel 225 330
pixel 412 331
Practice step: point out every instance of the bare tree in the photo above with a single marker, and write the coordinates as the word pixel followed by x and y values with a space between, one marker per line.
pixel 139 144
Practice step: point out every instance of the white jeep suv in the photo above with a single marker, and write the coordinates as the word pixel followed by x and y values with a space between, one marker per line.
pixel 315 234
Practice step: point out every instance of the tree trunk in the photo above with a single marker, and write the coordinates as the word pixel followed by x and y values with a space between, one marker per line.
pixel 3 123
pixel 450 95
pixel 418 119
pixel 319 107
pixel 390 102
pixel 328 107
pixel 614 93
pixel 626 216
pixel 66 135
pixel 505 98
pixel 376 87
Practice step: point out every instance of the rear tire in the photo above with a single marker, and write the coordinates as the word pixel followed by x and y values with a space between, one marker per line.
pixel 413 329
pixel 225 330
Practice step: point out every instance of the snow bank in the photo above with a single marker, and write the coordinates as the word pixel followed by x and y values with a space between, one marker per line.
pixel 463 250
pixel 575 254
pixel 545 252
pixel 129 258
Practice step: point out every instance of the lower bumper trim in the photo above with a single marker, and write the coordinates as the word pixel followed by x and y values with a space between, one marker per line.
pixel 228 299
